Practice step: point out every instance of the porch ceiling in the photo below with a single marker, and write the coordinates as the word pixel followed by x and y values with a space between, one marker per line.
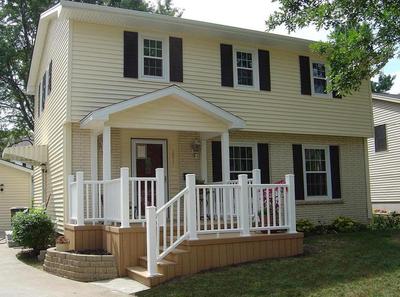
pixel 171 108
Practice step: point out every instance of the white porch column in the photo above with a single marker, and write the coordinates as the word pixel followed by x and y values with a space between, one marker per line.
pixel 106 153
pixel 94 171
pixel 93 155
pixel 225 156
pixel 203 160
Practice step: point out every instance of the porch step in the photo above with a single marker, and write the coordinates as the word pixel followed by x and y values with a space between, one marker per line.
pixel 140 274
pixel 163 262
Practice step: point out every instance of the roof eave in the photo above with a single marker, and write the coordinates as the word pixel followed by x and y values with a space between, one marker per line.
pixel 44 21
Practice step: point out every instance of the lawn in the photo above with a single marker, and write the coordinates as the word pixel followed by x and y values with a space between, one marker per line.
pixel 354 264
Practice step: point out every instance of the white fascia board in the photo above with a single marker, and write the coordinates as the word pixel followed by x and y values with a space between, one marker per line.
pixel 102 115
pixel 15 166
pixel 44 21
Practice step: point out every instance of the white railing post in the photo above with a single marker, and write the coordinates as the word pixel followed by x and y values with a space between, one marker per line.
pixel 256 180
pixel 70 181
pixel 291 203
pixel 80 219
pixel 160 193
pixel 190 198
pixel 124 193
pixel 244 205
pixel 151 233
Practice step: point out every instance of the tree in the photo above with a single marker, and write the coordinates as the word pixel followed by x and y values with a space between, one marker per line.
pixel 384 84
pixel 19 21
pixel 365 34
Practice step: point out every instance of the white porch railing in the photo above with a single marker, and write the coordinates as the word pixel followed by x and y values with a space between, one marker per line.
pixel 241 206
pixel 118 201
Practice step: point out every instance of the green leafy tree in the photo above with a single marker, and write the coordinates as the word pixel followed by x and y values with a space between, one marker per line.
pixel 384 83
pixel 19 21
pixel 365 34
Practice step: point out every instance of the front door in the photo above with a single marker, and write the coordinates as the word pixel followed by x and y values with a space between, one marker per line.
pixel 147 156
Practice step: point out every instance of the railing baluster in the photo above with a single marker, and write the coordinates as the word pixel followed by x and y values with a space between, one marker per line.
pixel 212 208
pixel 146 194
pixel 280 205
pixel 218 208
pixel 171 224
pixel 268 209
pixel 152 192
pixel 198 208
pixel 178 218
pixel 231 206
pixel 139 198
pixel 273 208
pixel 224 192
pixel 205 209
pixel 87 201
pixel 264 203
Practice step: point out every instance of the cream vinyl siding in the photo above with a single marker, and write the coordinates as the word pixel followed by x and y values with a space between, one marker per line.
pixel 49 127
pixel 166 112
pixel 97 81
pixel 17 192
pixel 385 165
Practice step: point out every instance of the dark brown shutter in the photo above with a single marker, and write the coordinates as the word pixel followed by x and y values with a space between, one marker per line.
pixel 264 70
pixel 216 161
pixel 305 75
pixel 298 171
pixel 175 59
pixel 335 171
pixel 263 162
pixel 336 95
pixel 226 65
pixel 131 54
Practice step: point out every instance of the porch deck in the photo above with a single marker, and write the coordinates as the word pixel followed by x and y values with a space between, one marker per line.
pixel 209 251
pixel 201 227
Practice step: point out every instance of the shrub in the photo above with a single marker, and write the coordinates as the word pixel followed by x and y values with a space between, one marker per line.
pixel 381 222
pixel 344 224
pixel 33 229
pixel 305 226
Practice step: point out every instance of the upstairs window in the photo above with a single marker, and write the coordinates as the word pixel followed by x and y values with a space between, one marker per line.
pixel 44 88
pixel 49 78
pixel 380 138
pixel 38 99
pixel 244 68
pixel 153 58
pixel 316 171
pixel 241 159
pixel 319 79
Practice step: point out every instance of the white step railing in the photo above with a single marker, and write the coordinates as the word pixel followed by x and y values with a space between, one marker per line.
pixel 118 201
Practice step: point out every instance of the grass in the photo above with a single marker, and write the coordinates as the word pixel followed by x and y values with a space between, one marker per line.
pixel 353 264
pixel 30 258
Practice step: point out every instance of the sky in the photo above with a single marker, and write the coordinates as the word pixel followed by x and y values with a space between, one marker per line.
pixel 252 14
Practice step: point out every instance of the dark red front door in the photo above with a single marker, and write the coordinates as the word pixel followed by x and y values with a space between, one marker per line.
pixel 148 156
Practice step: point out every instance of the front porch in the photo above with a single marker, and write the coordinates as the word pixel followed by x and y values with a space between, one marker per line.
pixel 153 203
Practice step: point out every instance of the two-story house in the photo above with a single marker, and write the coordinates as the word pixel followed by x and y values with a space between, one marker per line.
pixel 384 153
pixel 117 88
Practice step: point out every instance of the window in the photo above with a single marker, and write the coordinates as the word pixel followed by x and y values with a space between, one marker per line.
pixel 49 78
pixel 154 58
pixel 316 171
pixel 44 87
pixel 38 99
pixel 241 158
pixel 380 138
pixel 319 80
pixel 244 68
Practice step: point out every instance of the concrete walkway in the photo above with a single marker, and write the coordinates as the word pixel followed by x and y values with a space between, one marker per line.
pixel 19 279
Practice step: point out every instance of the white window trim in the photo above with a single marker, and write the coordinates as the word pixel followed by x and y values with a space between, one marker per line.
pixel 256 83
pixel 165 57
pixel 253 145
pixel 327 95
pixel 328 173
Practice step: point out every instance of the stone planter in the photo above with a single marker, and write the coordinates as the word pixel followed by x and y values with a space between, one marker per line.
pixel 80 267
pixel 62 247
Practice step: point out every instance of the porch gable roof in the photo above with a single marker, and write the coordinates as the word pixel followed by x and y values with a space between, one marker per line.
pixel 99 117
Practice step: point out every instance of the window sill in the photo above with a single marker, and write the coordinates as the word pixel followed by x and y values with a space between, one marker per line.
pixel 319 202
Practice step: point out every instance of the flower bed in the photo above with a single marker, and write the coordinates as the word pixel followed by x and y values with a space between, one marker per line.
pixel 80 267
